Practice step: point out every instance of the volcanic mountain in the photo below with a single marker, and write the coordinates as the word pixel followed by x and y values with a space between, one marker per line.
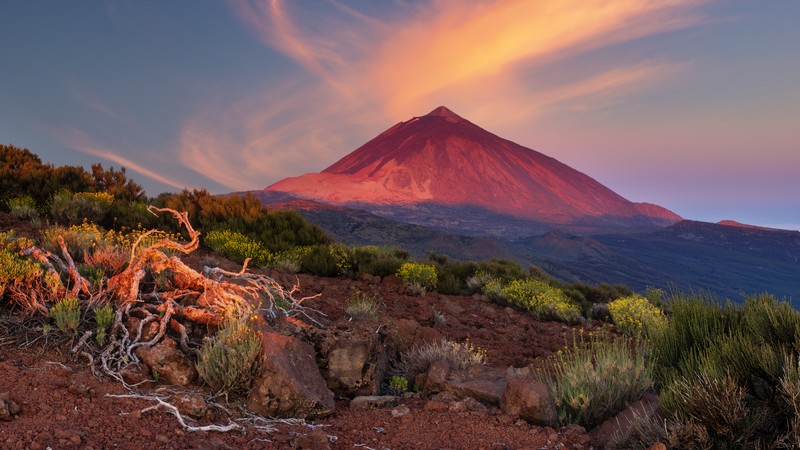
pixel 442 162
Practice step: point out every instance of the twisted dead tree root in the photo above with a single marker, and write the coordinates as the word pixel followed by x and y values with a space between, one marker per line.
pixel 200 298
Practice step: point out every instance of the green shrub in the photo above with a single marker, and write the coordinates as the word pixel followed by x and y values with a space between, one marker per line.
pixel 103 317
pixel 545 302
pixel 635 315
pixel 594 382
pixel 377 261
pixel 290 260
pixel 23 207
pixel 72 208
pixel 721 371
pixel 79 239
pixel 418 359
pixel 238 247
pixel 67 314
pixel 398 385
pixel 362 307
pixel 230 360
pixel 15 270
pixel 319 261
pixel 501 269
pixel 453 276
pixel 493 290
pixel 418 275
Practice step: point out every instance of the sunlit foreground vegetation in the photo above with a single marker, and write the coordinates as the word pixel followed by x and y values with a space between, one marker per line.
pixel 727 375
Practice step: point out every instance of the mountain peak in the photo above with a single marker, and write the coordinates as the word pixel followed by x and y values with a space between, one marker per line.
pixel 454 162
pixel 443 111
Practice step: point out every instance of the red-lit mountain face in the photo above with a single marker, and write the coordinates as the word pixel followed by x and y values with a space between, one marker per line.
pixel 441 158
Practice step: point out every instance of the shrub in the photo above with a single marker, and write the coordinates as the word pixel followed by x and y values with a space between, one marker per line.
pixel 635 315
pixel 80 239
pixel 378 261
pixel 238 247
pixel 418 359
pixel 319 261
pixel 721 371
pixel 542 300
pixel 493 290
pixel 67 314
pixel 398 385
pixel 361 307
pixel 230 360
pixel 103 317
pixel 593 382
pixel 23 207
pixel 290 260
pixel 19 276
pixel 478 281
pixel 501 269
pixel 70 208
pixel 418 276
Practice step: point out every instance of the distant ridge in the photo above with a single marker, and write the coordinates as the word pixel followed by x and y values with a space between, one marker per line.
pixel 443 159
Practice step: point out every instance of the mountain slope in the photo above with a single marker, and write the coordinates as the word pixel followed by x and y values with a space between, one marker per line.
pixel 443 159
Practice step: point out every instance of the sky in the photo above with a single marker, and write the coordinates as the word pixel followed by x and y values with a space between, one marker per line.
pixel 693 105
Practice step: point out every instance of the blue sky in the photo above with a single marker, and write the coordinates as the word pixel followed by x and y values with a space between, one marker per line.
pixel 694 105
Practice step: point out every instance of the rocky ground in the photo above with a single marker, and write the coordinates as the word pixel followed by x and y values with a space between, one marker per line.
pixel 49 398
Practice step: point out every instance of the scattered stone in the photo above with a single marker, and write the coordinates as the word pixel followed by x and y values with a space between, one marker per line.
pixel 8 408
pixel 467 404
pixel 436 406
pixel 530 399
pixel 400 411
pixel 373 401
pixel 192 405
pixel 213 444
pixel 166 360
pixel 79 389
pixel 290 383
pixel 315 440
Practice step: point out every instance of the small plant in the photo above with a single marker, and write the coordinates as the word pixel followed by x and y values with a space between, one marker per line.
pixel 438 319
pixel 594 381
pixel 156 375
pixel 418 359
pixel 634 315
pixel 361 307
pixel 67 314
pixel 398 385
pixel 230 360
pixel 103 317
pixel 418 277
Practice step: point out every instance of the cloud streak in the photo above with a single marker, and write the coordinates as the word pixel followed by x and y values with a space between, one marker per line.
pixel 493 62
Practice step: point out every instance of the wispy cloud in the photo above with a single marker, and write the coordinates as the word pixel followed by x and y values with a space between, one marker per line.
pixel 356 74
pixel 80 141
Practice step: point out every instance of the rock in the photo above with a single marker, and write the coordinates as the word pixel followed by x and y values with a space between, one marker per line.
pixel 529 399
pixel 619 426
pixel 290 383
pixel 168 362
pixel 400 411
pixel 410 333
pixel 468 404
pixel 436 378
pixel 353 364
pixel 373 401
pixel 193 405
pixel 657 446
pixel 486 390
pixel 315 440
pixel 436 406
pixel 8 408
pixel 136 375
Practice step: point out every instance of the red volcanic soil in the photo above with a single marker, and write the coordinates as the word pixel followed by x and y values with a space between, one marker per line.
pixel 443 158
pixel 64 406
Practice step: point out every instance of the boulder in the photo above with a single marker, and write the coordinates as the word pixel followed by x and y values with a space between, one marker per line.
pixel 353 364
pixel 529 398
pixel 290 383
pixel 168 362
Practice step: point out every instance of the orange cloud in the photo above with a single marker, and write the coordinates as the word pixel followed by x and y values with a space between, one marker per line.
pixel 361 73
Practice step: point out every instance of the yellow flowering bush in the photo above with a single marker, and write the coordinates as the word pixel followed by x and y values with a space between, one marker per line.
pixel 418 276
pixel 634 315
pixel 542 300
pixel 238 247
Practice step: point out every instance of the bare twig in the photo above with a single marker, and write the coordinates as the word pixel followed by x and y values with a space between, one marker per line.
pixel 175 412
